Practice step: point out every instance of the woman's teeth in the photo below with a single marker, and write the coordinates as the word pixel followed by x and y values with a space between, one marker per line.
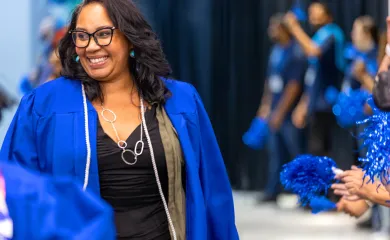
pixel 97 60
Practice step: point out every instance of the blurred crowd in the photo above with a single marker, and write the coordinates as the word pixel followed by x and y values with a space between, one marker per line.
pixel 316 88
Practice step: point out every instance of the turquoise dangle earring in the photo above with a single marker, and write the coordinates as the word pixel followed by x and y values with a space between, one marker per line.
pixel 132 53
pixel 77 58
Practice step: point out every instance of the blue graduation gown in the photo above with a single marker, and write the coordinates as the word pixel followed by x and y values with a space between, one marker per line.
pixel 42 207
pixel 48 135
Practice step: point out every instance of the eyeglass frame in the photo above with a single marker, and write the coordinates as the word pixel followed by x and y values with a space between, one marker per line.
pixel 92 35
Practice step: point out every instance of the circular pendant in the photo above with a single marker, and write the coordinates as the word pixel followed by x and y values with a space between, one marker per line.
pixel 124 159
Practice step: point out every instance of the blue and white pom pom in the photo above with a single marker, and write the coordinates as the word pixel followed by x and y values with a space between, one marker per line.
pixel 349 107
pixel 308 176
pixel 376 138
pixel 321 204
pixel 257 134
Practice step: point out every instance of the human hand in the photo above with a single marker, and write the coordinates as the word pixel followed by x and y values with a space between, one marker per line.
pixel 290 20
pixel 353 208
pixel 299 117
pixel 359 70
pixel 341 190
pixel 354 183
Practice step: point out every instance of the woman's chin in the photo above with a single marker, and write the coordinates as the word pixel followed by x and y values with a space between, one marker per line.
pixel 99 75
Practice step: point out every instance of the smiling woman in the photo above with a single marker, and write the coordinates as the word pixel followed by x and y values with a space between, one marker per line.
pixel 115 123
pixel 114 39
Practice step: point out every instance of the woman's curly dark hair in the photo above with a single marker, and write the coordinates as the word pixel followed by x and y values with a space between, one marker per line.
pixel 148 65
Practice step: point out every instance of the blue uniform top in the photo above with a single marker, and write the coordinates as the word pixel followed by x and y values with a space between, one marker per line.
pixel 352 54
pixel 327 69
pixel 286 64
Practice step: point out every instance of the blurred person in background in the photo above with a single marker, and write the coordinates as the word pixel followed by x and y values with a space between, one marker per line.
pixel 6 101
pixel 51 31
pixel 117 124
pixel 55 62
pixel 326 66
pixel 362 56
pixel 283 86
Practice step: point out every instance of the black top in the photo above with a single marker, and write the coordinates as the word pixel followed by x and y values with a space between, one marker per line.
pixel 132 190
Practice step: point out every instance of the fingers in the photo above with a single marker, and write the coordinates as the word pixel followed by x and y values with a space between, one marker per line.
pixel 353 179
pixel 341 192
pixel 340 189
pixel 355 168
pixel 340 206
pixel 352 198
pixel 343 174
pixel 339 186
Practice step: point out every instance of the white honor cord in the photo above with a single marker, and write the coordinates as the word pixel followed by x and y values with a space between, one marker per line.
pixel 87 140
pixel 88 163
pixel 156 172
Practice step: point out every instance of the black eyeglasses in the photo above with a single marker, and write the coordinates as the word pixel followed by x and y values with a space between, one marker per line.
pixel 102 37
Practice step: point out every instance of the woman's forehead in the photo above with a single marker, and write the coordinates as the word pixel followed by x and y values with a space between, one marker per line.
pixel 92 17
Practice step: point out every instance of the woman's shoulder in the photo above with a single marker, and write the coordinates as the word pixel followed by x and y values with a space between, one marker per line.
pixel 178 86
pixel 183 96
pixel 53 96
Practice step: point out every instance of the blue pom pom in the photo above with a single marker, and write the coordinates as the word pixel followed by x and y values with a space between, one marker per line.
pixel 376 138
pixel 349 107
pixel 257 134
pixel 331 94
pixel 321 204
pixel 308 176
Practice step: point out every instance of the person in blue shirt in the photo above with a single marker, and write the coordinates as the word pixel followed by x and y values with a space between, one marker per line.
pixel 326 66
pixel 38 206
pixel 283 85
pixel 116 124
pixel 51 29
pixel 362 55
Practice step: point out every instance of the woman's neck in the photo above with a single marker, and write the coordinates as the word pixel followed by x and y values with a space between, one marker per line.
pixel 119 91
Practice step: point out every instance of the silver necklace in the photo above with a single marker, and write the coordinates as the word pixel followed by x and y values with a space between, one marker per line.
pixel 122 144
pixel 149 142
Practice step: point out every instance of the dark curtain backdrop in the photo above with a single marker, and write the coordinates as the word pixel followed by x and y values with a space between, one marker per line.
pixel 221 47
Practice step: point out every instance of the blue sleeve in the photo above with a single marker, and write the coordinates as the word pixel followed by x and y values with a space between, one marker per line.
pixel 42 207
pixel 19 145
pixel 329 37
pixel 321 38
pixel 215 182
